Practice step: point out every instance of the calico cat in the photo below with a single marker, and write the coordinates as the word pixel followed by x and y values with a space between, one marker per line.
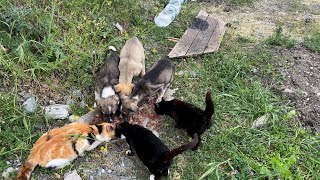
pixel 106 77
pixel 188 116
pixel 58 147
pixel 150 150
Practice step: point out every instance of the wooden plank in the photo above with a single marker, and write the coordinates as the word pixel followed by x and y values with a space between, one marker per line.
pixel 200 42
pixel 216 38
pixel 181 48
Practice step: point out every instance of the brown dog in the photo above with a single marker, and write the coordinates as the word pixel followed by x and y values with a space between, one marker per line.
pixel 132 63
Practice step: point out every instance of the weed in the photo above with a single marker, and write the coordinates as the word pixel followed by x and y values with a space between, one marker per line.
pixel 278 38
pixel 313 43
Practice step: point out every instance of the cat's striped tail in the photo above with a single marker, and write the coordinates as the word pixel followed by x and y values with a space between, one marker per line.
pixel 26 170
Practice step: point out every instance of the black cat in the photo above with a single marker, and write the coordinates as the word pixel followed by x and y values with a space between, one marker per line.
pixel 188 116
pixel 150 150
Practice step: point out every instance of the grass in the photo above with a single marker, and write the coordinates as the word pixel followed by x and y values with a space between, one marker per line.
pixel 280 39
pixel 313 42
pixel 60 44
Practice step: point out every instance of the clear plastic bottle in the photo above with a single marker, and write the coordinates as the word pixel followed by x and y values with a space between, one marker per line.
pixel 168 14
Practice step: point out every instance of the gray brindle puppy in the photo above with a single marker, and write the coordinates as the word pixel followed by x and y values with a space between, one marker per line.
pixel 106 77
pixel 155 82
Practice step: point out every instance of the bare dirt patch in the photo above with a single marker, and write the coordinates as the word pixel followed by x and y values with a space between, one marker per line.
pixel 259 19
pixel 301 69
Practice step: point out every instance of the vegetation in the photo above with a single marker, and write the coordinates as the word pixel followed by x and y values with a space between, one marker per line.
pixel 313 42
pixel 280 39
pixel 65 41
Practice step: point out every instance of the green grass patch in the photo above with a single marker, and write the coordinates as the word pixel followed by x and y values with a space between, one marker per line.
pixel 278 38
pixel 313 42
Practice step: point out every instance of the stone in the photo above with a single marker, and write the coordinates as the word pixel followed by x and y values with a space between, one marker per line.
pixel 57 111
pixel 51 102
pixel 261 121
pixel 193 74
pixel 180 73
pixel 30 104
pixel 7 172
pixel 72 175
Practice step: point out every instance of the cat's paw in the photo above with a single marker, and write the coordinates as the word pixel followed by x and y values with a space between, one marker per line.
pixel 82 154
pixel 151 177
pixel 129 152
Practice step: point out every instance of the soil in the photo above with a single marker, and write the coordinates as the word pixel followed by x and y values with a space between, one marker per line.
pixel 301 71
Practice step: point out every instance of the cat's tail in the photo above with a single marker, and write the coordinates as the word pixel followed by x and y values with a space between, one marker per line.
pixel 182 148
pixel 26 170
pixel 209 105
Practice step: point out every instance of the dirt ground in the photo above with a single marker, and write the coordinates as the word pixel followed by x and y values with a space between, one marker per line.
pixel 301 83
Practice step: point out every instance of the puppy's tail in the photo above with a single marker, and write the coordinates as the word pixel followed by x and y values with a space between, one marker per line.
pixel 182 148
pixel 209 105
pixel 26 170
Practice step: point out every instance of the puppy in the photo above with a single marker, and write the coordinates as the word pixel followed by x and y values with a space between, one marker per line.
pixel 106 77
pixel 132 63
pixel 155 82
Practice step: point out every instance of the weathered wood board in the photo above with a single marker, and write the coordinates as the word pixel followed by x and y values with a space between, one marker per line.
pixel 203 36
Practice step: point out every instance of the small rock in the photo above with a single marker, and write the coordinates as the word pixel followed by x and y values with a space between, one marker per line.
pixel 193 74
pixel 91 177
pixel 7 172
pixel 70 101
pixel 76 92
pixel 82 103
pixel 180 73
pixel 109 171
pixel 260 121
pixel 57 111
pixel 308 18
pixel 119 27
pixel 287 90
pixel 30 104
pixel 72 175
pixel 51 102
pixel 227 9
pixel 103 171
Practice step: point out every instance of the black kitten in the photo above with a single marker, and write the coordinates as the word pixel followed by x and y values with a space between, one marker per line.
pixel 187 116
pixel 150 150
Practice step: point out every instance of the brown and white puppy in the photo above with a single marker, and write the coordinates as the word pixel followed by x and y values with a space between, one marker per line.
pixel 155 82
pixel 132 63
pixel 106 77
pixel 58 147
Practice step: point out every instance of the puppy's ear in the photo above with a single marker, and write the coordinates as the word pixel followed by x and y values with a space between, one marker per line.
pixel 133 107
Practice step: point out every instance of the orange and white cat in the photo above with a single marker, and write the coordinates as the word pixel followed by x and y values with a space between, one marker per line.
pixel 58 147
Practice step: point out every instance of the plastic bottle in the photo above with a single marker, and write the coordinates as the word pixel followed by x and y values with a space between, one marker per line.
pixel 168 14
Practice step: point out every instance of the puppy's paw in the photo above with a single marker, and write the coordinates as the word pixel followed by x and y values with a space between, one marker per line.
pixel 129 152
pixel 151 177
pixel 159 99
